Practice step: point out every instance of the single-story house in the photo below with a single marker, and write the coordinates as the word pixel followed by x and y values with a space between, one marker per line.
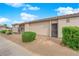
pixel 4 28
pixel 49 26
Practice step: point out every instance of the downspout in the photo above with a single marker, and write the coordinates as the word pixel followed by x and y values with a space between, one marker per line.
pixel 29 27
pixel 50 29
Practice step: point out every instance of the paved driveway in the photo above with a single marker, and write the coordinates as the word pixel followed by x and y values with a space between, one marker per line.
pixel 8 48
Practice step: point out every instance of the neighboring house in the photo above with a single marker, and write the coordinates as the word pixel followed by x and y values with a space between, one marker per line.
pixel 49 26
pixel 4 28
pixel 18 28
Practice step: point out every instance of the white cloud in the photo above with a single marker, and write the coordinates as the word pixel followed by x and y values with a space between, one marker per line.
pixel 25 17
pixel 28 17
pixel 25 6
pixel 30 7
pixel 66 10
pixel 15 4
pixel 17 21
pixel 3 20
pixel 33 8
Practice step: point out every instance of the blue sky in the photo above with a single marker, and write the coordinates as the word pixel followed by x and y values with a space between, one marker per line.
pixel 11 13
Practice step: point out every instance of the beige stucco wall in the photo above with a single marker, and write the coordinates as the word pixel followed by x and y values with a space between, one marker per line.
pixel 44 27
pixel 27 28
pixel 41 28
pixel 63 22
pixel 15 28
pixel 54 21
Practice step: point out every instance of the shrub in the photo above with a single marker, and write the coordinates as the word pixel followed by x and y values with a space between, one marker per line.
pixel 8 32
pixel 28 36
pixel 71 37
pixel 3 31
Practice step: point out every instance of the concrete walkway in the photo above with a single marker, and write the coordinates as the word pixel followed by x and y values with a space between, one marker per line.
pixel 8 48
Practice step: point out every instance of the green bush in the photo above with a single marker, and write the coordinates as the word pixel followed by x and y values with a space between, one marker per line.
pixel 3 31
pixel 8 32
pixel 71 37
pixel 28 36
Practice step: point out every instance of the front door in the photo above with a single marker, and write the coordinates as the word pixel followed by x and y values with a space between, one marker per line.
pixel 21 28
pixel 54 30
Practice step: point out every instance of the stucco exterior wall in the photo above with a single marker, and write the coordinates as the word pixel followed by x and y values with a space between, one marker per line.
pixel 41 28
pixel 54 21
pixel 67 22
pixel 15 28
pixel 27 27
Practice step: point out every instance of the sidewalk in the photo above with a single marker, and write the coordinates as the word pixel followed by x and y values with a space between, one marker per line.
pixel 8 48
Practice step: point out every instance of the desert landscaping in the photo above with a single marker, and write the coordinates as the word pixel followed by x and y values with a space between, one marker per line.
pixel 42 46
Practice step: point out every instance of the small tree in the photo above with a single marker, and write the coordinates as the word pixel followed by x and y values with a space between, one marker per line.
pixel 5 25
